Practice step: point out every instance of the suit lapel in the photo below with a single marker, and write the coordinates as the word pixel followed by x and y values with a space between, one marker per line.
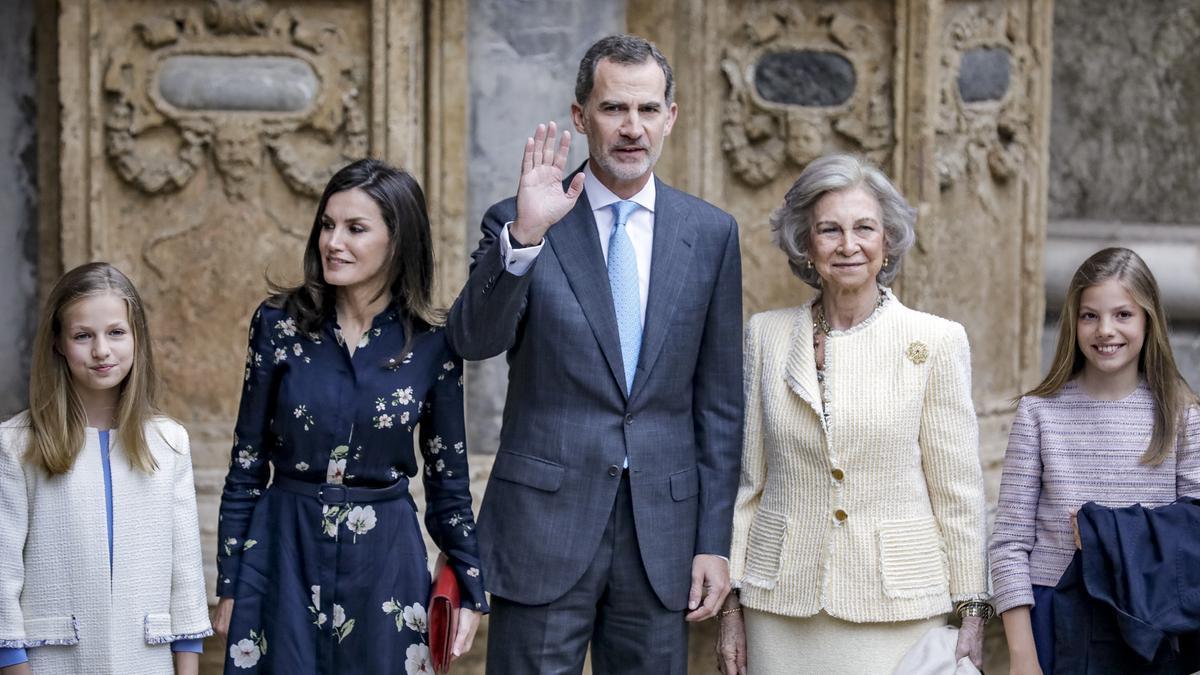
pixel 576 244
pixel 801 368
pixel 669 260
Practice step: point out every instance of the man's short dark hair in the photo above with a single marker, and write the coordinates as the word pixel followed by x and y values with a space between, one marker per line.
pixel 627 50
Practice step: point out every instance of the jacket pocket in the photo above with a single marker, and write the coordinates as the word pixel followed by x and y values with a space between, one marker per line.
pixel 158 629
pixel 764 550
pixel 533 472
pixel 685 484
pixel 51 631
pixel 912 560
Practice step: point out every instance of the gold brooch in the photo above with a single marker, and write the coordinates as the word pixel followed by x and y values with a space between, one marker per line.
pixel 917 352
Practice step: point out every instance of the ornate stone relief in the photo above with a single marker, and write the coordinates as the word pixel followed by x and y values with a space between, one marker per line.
pixel 984 136
pixel 241 80
pixel 759 136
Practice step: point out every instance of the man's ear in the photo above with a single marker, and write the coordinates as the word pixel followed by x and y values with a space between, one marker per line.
pixel 672 113
pixel 579 118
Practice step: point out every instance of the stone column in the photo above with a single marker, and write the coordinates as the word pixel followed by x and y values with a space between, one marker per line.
pixel 949 97
pixel 193 140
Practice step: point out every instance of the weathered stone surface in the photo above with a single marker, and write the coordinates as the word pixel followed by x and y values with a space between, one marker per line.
pixel 804 78
pixel 262 83
pixel 18 197
pixel 1126 111
pixel 983 74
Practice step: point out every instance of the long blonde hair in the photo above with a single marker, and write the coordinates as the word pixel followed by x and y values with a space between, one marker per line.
pixel 1156 362
pixel 56 414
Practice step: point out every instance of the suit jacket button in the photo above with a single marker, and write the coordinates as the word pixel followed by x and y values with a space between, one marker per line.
pixel 614 471
pixel 840 515
pixel 629 419
pixel 838 475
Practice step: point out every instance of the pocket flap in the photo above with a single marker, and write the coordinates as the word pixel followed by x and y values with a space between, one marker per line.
pixel 51 631
pixel 158 629
pixel 527 470
pixel 685 484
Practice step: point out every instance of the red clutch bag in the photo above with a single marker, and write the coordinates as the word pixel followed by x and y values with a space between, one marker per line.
pixel 443 622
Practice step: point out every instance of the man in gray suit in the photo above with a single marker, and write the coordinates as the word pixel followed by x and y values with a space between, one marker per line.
pixel 618 300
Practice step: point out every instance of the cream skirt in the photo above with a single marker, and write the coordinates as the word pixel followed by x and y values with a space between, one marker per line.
pixel 823 645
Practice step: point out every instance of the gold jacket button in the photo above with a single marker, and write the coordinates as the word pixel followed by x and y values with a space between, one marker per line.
pixel 838 474
pixel 840 515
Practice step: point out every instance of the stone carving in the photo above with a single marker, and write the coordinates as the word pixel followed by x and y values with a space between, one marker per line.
pixel 237 17
pixel 759 136
pixel 158 147
pixel 986 138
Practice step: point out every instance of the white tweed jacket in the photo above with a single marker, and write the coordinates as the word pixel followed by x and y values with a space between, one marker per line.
pixel 56 594
pixel 878 513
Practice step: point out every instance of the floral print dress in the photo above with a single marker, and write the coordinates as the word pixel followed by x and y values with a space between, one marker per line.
pixel 342 587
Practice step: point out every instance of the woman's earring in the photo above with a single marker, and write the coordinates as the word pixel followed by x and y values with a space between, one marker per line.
pixel 808 263
pixel 886 260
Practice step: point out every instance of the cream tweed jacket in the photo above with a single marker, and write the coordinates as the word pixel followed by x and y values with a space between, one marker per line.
pixel 56 595
pixel 873 511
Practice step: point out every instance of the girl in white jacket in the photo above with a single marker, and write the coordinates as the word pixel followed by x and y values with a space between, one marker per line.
pixel 100 568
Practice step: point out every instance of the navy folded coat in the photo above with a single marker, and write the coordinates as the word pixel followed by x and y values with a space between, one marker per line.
pixel 1130 600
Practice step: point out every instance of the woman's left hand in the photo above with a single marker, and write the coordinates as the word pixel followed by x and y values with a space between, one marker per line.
pixel 468 623
pixel 970 640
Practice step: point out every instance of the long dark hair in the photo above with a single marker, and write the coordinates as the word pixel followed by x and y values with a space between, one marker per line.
pixel 410 259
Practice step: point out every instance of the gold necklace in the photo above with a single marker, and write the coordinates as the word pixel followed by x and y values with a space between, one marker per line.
pixel 820 323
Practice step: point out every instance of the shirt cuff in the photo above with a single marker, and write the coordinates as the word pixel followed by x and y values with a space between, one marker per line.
pixel 196 645
pixel 11 656
pixel 517 261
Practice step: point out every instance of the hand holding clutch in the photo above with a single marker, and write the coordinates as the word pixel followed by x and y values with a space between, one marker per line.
pixel 444 599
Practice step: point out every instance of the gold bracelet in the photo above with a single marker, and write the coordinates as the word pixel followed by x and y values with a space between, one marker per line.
pixel 727 612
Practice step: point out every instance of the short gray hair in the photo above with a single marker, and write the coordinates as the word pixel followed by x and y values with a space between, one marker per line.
pixel 626 50
pixel 792 222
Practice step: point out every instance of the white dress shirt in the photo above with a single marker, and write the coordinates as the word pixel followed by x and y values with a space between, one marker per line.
pixel 640 228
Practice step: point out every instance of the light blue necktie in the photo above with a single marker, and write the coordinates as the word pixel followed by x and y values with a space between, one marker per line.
pixel 626 292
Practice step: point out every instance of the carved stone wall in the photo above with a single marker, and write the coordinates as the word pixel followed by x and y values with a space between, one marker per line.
pixel 979 251
pixel 949 97
pixel 193 140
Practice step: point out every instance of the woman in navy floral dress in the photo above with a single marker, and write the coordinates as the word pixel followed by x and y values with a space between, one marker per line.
pixel 324 571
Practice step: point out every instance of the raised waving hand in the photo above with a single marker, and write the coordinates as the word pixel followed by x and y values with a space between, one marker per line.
pixel 541 200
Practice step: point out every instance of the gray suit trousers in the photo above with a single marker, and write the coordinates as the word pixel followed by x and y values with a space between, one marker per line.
pixel 613 606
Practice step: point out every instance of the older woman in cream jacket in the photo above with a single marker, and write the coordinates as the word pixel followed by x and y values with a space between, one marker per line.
pixel 859 522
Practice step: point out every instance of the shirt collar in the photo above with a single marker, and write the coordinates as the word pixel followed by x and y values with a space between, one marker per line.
pixel 600 197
